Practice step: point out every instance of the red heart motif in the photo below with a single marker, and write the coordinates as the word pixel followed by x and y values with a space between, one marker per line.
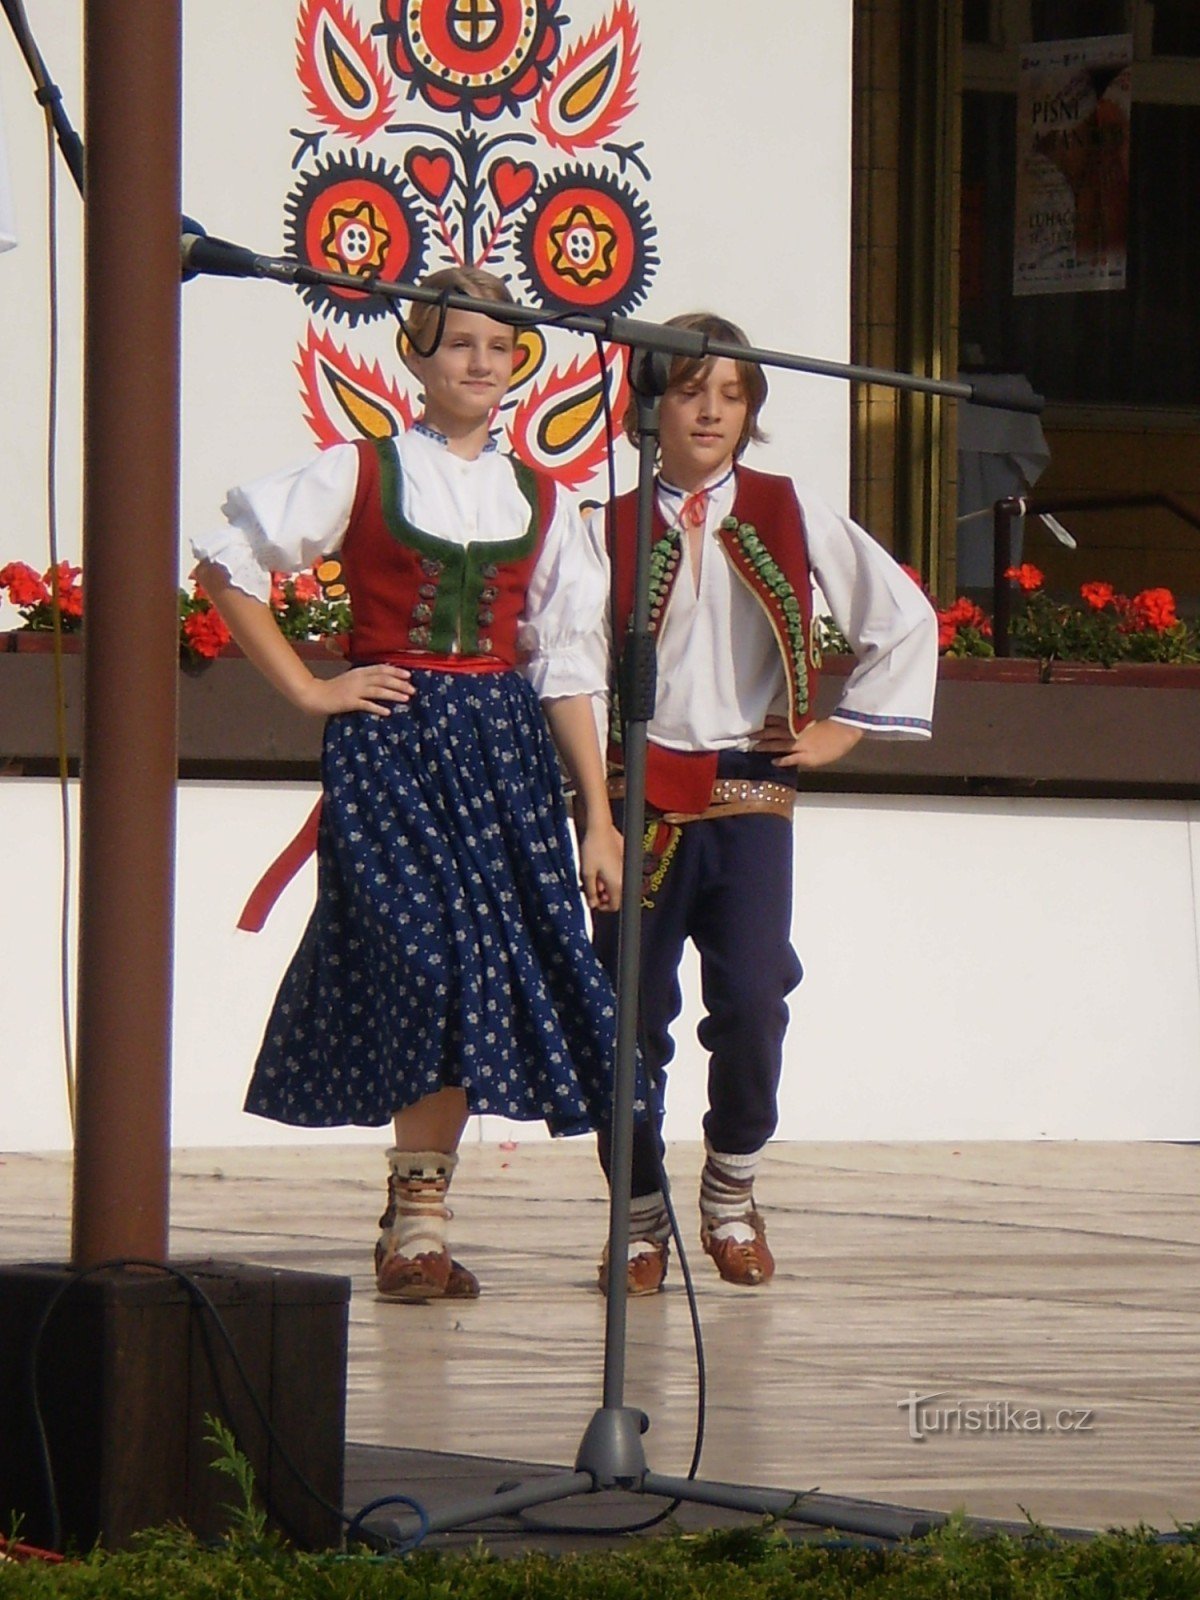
pixel 511 182
pixel 431 172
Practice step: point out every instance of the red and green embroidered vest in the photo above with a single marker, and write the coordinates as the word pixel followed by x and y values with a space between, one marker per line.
pixel 412 591
pixel 765 542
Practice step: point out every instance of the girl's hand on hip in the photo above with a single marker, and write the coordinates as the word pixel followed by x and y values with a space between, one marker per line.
pixel 374 690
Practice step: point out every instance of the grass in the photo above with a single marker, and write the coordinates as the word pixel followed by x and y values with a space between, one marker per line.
pixel 756 1564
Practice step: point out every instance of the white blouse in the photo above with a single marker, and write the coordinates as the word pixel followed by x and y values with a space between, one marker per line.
pixel 290 519
pixel 719 671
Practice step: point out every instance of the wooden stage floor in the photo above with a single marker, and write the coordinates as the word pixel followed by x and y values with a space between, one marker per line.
pixel 1043 1298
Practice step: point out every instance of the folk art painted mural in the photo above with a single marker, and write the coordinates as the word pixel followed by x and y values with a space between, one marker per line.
pixel 484 133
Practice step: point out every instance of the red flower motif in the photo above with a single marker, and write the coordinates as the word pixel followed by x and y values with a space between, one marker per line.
pixel 1155 609
pixel 206 633
pixel 478 60
pixel 1027 576
pixel 1098 595
pixel 913 574
pixel 24 586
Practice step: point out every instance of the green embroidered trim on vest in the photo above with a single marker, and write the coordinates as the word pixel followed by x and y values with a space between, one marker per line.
pixel 780 599
pixel 459 572
pixel 665 556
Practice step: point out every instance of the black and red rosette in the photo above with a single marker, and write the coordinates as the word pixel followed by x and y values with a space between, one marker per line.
pixel 354 215
pixel 586 243
pixel 478 58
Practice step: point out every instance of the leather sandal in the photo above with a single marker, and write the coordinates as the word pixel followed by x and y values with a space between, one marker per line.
pixel 749 1262
pixel 646 1270
pixel 416 1280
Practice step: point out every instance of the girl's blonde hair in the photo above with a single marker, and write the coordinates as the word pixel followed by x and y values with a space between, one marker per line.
pixel 423 316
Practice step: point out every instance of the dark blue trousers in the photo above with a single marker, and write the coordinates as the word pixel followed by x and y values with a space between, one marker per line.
pixel 728 888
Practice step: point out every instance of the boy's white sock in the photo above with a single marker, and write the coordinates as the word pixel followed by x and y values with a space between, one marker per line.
pixel 727 1194
pixel 648 1222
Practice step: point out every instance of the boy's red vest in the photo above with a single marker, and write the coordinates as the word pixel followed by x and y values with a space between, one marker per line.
pixel 764 539
pixel 413 592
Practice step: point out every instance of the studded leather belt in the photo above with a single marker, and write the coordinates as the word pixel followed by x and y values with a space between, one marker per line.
pixel 731 797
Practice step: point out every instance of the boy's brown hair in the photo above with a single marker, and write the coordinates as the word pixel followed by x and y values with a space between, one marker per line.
pixel 685 368
pixel 422 317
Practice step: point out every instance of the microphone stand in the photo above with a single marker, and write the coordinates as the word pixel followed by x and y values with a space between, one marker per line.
pixel 610 1453
pixel 47 93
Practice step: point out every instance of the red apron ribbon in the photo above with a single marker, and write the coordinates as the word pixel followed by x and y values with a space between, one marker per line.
pixel 280 873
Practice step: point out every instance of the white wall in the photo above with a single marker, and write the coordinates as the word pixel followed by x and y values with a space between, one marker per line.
pixel 974 970
pixel 750 197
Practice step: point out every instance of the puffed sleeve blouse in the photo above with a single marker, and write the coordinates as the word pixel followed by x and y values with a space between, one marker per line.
pixel 289 520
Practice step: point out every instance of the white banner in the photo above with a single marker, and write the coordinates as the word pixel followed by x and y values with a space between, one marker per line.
pixel 1072 209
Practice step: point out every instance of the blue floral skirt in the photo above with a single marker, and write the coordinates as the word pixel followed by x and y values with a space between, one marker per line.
pixel 448 945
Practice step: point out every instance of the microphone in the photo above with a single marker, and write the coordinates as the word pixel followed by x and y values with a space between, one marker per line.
pixel 201 252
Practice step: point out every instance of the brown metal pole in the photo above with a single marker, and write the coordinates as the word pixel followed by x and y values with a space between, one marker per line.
pixel 131 652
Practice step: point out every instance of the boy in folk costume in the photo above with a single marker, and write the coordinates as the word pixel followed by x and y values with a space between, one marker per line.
pixel 734 554
pixel 446 968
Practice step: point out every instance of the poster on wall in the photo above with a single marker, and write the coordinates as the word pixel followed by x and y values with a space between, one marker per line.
pixel 1072 190
pixel 488 135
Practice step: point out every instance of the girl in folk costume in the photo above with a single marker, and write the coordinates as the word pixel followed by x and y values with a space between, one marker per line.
pixel 446 967
pixel 733 560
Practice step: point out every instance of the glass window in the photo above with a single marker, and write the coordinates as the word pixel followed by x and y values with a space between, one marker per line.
pixel 1137 346
pixel 1176 29
pixel 977 22
pixel 1078 19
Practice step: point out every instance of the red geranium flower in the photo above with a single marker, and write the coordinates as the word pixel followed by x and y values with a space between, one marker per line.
pixel 1097 595
pixel 1154 608
pixel 963 613
pixel 206 633
pixel 1027 576
pixel 306 588
pixel 70 590
pixel 24 586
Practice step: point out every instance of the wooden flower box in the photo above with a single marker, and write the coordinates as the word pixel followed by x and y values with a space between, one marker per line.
pixel 1130 730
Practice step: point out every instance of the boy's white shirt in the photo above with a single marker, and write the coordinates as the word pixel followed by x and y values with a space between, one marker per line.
pixel 719 668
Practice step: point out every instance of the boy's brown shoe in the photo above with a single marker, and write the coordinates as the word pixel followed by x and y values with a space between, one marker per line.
pixel 748 1262
pixel 645 1271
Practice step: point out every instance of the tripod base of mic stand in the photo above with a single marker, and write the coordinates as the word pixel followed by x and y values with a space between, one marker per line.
pixel 611 1457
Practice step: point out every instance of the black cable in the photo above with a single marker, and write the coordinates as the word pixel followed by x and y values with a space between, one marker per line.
pixel 442 307
pixel 399 1547
pixel 204 1303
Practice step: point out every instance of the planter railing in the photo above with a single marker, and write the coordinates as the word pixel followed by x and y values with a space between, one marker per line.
pixel 1131 730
